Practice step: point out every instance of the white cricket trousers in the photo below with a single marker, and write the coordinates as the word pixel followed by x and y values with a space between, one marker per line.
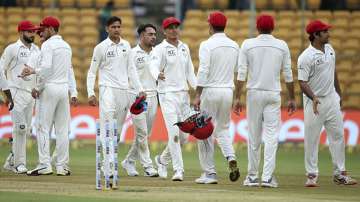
pixel 114 105
pixel 21 116
pixel 54 108
pixel 263 117
pixel 143 124
pixel 217 103
pixel 330 117
pixel 174 107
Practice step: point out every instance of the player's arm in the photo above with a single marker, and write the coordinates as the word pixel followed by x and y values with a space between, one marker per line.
pixel 203 72
pixel 5 60
pixel 133 75
pixel 288 77
pixel 72 87
pixel 91 76
pixel 190 74
pixel 156 61
pixel 337 87
pixel 241 78
pixel 304 68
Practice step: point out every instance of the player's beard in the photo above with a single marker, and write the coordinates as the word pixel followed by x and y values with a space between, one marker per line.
pixel 29 39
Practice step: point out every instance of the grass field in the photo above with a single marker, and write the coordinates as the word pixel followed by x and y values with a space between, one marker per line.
pixel 80 186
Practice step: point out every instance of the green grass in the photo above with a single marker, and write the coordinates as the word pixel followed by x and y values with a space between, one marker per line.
pixel 80 186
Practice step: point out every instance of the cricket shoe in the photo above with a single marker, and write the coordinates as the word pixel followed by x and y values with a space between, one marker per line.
pixel 150 172
pixel 311 180
pixel 344 179
pixel 129 168
pixel 162 169
pixel 234 171
pixel 207 179
pixel 20 169
pixel 61 171
pixel 9 162
pixel 251 181
pixel 270 183
pixel 40 170
pixel 178 176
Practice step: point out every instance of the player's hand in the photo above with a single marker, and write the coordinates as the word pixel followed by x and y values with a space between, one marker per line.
pixel 35 93
pixel 161 76
pixel 291 107
pixel 92 101
pixel 237 107
pixel 74 101
pixel 316 102
pixel 142 93
pixel 27 71
pixel 196 103
pixel 9 101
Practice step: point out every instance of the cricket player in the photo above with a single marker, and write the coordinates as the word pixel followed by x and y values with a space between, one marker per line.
pixel 172 67
pixel 54 108
pixel 14 58
pixel 34 62
pixel 322 104
pixel 113 58
pixel 218 57
pixel 261 60
pixel 143 122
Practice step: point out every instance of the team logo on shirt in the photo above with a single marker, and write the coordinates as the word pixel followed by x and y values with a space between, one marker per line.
pixel 110 54
pixel 140 60
pixel 171 53
pixel 23 54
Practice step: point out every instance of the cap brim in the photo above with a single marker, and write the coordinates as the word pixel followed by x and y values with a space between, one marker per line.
pixel 173 23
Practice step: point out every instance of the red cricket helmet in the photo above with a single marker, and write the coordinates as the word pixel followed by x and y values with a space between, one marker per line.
pixel 139 105
pixel 205 131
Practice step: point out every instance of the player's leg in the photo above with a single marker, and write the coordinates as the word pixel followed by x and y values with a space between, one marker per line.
pixel 254 113
pixel 62 130
pixel 170 103
pixel 313 124
pixel 139 123
pixel 20 128
pixel 335 131
pixel 271 127
pixel 144 152
pixel 47 103
pixel 107 108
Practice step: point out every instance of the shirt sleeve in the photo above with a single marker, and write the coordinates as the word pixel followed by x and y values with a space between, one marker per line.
pixel 243 64
pixel 287 72
pixel 133 75
pixel 204 65
pixel 155 62
pixel 4 65
pixel 45 62
pixel 94 66
pixel 190 75
pixel 72 83
pixel 304 68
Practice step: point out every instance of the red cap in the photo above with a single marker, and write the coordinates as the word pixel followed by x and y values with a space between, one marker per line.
pixel 204 132
pixel 316 26
pixel 138 106
pixel 27 26
pixel 50 21
pixel 169 21
pixel 265 22
pixel 217 19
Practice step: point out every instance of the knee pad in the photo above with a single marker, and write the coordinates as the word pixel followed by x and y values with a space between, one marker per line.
pixel 20 128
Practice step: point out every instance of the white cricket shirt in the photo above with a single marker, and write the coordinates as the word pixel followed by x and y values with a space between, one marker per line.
pixel 261 60
pixel 115 66
pixel 318 69
pixel 218 58
pixel 141 59
pixel 176 64
pixel 55 61
pixel 12 61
